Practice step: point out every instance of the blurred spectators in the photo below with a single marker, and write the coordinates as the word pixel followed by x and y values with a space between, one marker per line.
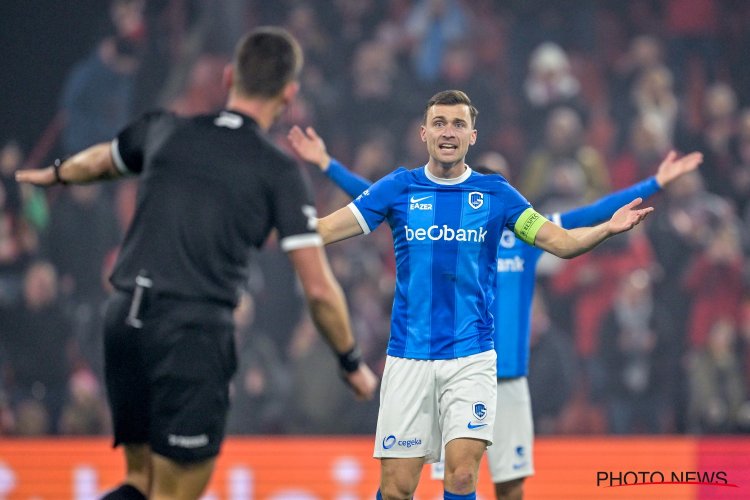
pixel 261 388
pixel 85 212
pixel 627 351
pixel 38 343
pixel 98 93
pixel 431 26
pixel 552 373
pixel 549 85
pixel 564 172
pixel 717 385
pixel 572 96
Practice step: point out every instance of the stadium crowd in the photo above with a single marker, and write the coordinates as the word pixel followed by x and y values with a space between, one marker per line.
pixel 650 333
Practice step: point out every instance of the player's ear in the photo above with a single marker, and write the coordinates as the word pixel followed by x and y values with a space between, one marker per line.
pixel 227 77
pixel 473 138
pixel 423 133
pixel 289 92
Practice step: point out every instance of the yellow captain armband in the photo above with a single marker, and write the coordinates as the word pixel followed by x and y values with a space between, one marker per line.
pixel 528 225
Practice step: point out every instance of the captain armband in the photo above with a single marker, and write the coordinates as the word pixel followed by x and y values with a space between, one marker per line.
pixel 528 225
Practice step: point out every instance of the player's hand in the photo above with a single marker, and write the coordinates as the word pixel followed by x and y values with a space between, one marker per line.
pixel 628 216
pixel 309 146
pixel 362 381
pixel 672 167
pixel 37 176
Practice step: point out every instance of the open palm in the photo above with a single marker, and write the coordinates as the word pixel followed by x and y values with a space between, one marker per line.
pixel 628 216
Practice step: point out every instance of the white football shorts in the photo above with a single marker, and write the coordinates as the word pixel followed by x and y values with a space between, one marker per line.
pixel 424 403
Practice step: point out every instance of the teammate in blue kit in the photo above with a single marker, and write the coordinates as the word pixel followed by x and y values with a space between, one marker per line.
pixel 511 456
pixel 439 383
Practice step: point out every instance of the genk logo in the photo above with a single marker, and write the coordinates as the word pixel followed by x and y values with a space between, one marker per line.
pixel 480 410
pixel 389 441
pixel 476 199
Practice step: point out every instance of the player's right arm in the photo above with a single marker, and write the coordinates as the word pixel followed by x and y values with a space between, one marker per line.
pixel 328 309
pixel 340 225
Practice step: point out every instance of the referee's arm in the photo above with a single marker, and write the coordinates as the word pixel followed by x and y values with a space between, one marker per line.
pixel 329 313
pixel 92 164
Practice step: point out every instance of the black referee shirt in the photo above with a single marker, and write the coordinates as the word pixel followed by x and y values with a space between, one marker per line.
pixel 211 187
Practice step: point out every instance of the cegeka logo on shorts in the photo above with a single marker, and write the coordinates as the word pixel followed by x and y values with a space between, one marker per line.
pixel 390 441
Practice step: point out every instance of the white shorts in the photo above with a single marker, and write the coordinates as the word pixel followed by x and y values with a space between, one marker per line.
pixel 425 403
pixel 512 457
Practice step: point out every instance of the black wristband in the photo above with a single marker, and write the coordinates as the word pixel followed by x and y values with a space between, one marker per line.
pixel 349 360
pixel 56 167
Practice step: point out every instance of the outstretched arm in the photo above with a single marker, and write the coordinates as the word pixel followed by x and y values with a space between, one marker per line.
pixel 340 225
pixel 569 243
pixel 670 169
pixel 92 164
pixel 328 309
pixel 311 148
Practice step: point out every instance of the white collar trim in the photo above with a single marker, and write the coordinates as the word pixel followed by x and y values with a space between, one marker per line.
pixel 448 182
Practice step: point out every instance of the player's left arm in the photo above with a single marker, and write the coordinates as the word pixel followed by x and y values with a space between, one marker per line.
pixel 569 243
pixel 670 169
pixel 92 164
pixel 311 148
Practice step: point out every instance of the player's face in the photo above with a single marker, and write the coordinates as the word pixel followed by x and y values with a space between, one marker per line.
pixel 448 133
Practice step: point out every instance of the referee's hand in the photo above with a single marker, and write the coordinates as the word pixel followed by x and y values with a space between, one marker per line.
pixel 362 381
pixel 39 177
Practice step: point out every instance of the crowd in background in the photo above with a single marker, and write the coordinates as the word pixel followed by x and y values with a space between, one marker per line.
pixel 649 333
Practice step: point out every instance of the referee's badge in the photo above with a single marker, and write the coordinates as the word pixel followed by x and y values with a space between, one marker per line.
pixel 476 199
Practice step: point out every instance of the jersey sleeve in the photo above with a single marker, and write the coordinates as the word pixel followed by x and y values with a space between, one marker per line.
pixel 372 206
pixel 128 146
pixel 349 182
pixel 523 220
pixel 604 207
pixel 295 216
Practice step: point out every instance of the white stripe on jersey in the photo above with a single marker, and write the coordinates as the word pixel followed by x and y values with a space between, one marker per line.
pixel 298 241
pixel 358 215
pixel 119 163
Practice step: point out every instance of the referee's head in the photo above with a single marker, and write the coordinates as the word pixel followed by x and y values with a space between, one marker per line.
pixel 266 61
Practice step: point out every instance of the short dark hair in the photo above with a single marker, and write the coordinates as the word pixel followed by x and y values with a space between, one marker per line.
pixel 452 97
pixel 265 60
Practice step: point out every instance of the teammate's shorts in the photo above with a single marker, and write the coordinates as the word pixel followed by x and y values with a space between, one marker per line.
pixel 168 381
pixel 511 456
pixel 424 403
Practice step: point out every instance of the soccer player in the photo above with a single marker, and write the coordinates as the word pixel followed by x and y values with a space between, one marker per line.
pixel 510 457
pixel 211 187
pixel 439 383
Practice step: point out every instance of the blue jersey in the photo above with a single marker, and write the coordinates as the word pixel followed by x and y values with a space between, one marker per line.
pixel 516 266
pixel 445 236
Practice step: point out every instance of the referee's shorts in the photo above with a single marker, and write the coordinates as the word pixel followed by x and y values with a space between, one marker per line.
pixel 167 378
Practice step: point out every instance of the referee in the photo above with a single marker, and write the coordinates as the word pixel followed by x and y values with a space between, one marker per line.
pixel 212 186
